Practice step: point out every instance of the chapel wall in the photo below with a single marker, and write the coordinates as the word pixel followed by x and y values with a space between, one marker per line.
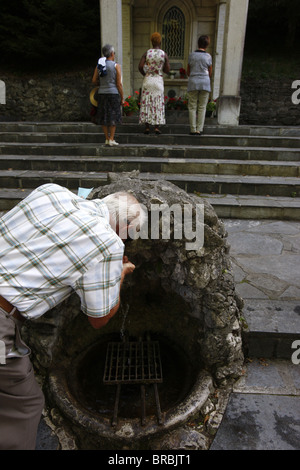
pixel 147 17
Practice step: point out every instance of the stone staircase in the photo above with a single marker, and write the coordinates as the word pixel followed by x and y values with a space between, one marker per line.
pixel 244 172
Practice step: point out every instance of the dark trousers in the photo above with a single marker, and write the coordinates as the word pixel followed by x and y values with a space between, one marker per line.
pixel 21 399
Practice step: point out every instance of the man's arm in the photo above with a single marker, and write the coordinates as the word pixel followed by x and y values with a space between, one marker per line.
pixel 98 323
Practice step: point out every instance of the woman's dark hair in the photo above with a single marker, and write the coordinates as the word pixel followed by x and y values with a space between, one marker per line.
pixel 203 42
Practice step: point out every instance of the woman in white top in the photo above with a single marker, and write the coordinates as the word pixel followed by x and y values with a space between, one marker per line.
pixel 110 95
pixel 199 72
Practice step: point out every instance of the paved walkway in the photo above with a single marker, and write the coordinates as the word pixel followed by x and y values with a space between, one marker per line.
pixel 263 412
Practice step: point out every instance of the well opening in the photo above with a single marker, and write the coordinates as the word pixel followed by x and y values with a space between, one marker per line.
pixel 87 385
pixel 76 383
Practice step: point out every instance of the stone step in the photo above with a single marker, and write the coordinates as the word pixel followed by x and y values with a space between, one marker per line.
pixel 150 164
pixel 226 206
pixel 242 169
pixel 131 126
pixel 26 179
pixel 9 197
pixel 125 137
pixel 272 328
pixel 265 255
pixel 230 206
pixel 191 183
pixel 147 150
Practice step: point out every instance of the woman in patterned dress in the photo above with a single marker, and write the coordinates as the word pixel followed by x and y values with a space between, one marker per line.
pixel 152 65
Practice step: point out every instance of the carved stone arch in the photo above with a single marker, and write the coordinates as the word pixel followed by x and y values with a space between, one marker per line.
pixel 189 12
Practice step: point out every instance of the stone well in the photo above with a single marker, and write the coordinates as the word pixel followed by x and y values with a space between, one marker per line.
pixel 183 299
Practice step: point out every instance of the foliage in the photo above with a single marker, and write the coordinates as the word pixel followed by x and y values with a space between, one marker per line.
pixel 176 103
pixel 58 34
pixel 182 104
pixel 211 105
pixel 45 33
pixel 131 103
pixel 273 25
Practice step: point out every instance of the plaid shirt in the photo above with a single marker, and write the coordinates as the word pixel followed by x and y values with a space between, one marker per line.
pixel 53 243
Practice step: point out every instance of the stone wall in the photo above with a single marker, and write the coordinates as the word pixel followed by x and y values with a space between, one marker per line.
pixel 65 97
pixel 268 102
pixel 58 97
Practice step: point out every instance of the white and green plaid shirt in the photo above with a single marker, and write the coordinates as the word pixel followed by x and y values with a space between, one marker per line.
pixel 53 243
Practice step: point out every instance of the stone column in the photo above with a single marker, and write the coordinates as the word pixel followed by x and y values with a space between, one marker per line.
pixel 127 68
pixel 111 25
pixel 234 39
pixel 217 69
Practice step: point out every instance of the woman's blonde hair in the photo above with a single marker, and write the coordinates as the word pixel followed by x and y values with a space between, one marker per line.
pixel 156 39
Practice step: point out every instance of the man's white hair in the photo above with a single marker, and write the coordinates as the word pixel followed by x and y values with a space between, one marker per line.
pixel 124 208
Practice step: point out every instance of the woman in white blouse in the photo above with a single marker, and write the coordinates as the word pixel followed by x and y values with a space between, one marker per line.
pixel 199 72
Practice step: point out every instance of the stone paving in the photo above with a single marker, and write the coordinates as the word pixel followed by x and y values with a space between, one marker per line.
pixel 266 257
pixel 263 412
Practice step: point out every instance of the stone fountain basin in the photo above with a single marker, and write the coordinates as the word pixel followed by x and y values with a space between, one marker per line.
pixel 186 296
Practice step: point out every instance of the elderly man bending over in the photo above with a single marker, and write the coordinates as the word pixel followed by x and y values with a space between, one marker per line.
pixel 51 244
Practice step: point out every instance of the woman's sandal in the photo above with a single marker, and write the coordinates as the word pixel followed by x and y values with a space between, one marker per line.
pixel 157 131
pixel 147 131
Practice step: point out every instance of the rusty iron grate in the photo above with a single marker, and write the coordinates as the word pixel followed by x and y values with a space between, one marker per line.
pixel 133 362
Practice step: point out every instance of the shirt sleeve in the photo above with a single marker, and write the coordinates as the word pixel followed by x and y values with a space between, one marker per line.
pixel 99 287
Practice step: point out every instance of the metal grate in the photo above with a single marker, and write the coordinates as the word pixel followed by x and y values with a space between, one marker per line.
pixel 133 362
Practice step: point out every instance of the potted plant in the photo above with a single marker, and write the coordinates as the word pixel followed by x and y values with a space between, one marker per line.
pixel 131 104
pixel 211 107
pixel 176 103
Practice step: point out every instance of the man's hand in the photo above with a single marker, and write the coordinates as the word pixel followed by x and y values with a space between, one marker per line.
pixel 97 323
pixel 128 267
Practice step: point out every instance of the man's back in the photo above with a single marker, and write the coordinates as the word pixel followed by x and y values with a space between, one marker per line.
pixel 49 242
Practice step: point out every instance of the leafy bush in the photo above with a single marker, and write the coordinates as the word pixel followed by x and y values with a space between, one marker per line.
pixel 37 34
